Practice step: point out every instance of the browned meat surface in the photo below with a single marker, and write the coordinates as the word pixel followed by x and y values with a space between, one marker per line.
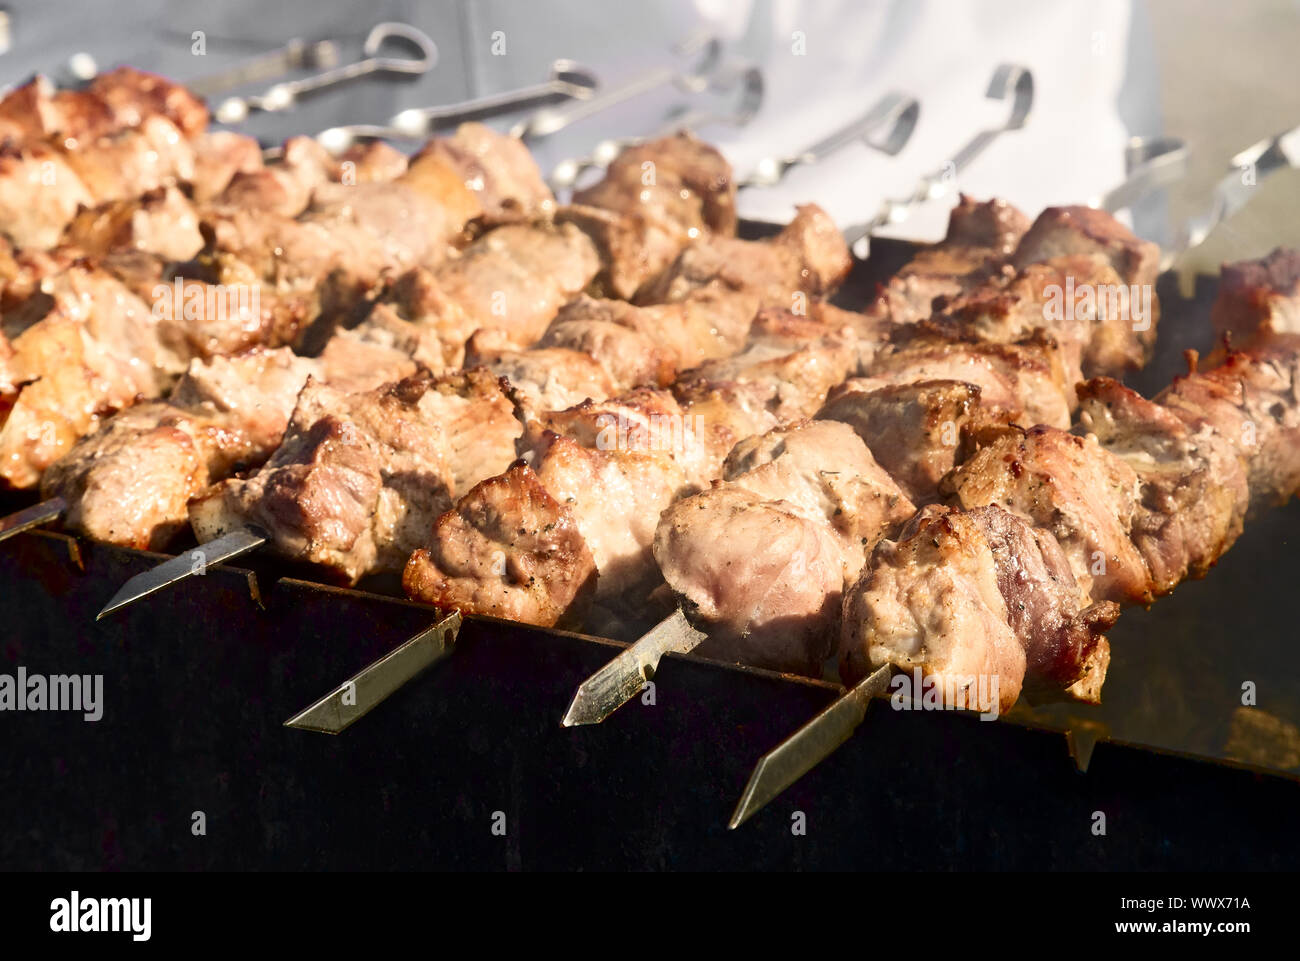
pixel 769 597
pixel 808 256
pixel 517 277
pixel 1065 231
pixel 379 350
pixel 1071 487
pixel 983 603
pixel 134 95
pixel 162 221
pixel 129 482
pixel 133 161
pixel 371 161
pixel 509 549
pixel 762 557
pixel 39 194
pixel 1153 494
pixel 626 340
pixel 980 238
pixel 357 481
pixel 654 199
pixel 914 430
pixel 1076 299
pixel 1019 382
pixel 116 100
pixel 787 367
pixel 1194 488
pixel 498 169
pixel 220 156
pixel 1258 297
pixel 549 378
pixel 417 298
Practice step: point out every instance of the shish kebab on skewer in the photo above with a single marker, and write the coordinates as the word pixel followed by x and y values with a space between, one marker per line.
pixel 446 304
pixel 524 545
pixel 600 344
pixel 352 237
pixel 981 596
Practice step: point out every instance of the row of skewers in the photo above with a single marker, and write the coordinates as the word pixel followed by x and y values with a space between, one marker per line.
pixel 606 412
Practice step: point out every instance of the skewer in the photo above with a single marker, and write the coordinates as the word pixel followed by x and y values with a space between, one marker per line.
pixel 624 677
pixel 752 87
pixel 224 548
pixel 33 516
pixel 566 79
pixel 549 121
pixel 896 113
pixel 297 54
pixel 809 746
pixel 369 687
pixel 1008 80
pixel 282 96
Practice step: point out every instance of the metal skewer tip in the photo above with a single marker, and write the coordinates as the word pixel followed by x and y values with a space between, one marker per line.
pixel 809 746
pixel 369 687
pixel 169 572
pixel 622 679
pixel 30 517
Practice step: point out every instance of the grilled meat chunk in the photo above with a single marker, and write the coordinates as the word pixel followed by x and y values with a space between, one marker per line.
pixel 356 482
pixel 762 557
pixel 1065 231
pixel 980 237
pixel 654 199
pixel 550 378
pixel 509 549
pixel 1071 487
pixel 1021 382
pixel 631 343
pixel 984 603
pixel 914 430
pixel 1258 297
pixel 129 482
pixel 498 169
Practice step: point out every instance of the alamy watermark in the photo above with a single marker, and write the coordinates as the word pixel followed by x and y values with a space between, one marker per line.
pixel 947 692
pixel 53 692
pixel 1128 302
pixel 200 301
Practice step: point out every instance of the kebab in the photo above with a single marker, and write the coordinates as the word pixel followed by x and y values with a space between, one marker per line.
pixel 1161 487
pixel 315 245
pixel 800 485
pixel 420 297
pixel 392 460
